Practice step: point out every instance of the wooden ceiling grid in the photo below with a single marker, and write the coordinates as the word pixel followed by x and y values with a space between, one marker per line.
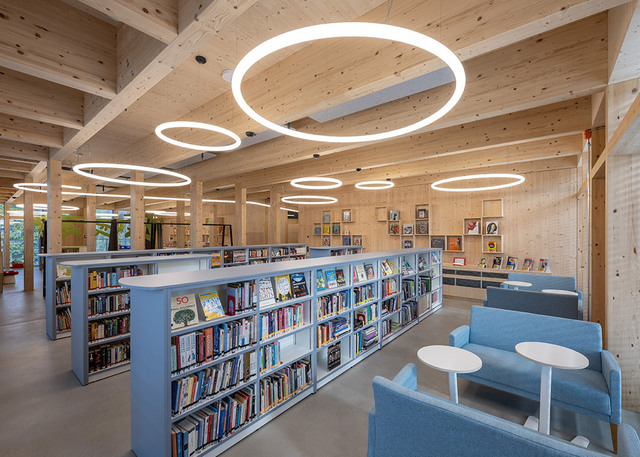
pixel 96 76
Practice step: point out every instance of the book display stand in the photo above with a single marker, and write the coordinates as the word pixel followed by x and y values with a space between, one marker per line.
pixel 332 312
pixel 328 251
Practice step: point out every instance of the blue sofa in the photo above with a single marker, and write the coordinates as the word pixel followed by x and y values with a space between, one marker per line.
pixel 406 422
pixel 493 333
pixel 567 306
pixel 539 282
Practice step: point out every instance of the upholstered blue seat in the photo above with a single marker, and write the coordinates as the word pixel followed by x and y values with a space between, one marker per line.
pixel 567 306
pixel 493 334
pixel 406 422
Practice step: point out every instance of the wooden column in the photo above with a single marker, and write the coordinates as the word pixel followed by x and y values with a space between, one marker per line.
pixel 212 220
pixel 54 210
pixel 90 215
pixel 7 242
pixel 137 212
pixel 240 224
pixel 275 219
pixel 196 217
pixel 598 237
pixel 28 239
pixel 180 229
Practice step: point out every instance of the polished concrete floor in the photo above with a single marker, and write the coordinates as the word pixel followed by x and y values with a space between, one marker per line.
pixel 44 411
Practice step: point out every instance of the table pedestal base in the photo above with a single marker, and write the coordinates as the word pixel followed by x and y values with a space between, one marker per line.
pixel 453 387
pixel 580 441
pixel 532 423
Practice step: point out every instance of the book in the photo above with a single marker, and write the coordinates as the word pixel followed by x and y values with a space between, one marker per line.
pixel 265 292
pixel 333 356
pixel 406 268
pixel 62 272
pixel 283 287
pixel 422 228
pixel 437 242
pixel 332 281
pixel 211 305
pixel 361 274
pixel 528 264
pixel 407 229
pixel 544 265
pixel 340 279
pixel 512 263
pixel 491 228
pixel 184 311
pixel 473 228
pixel 459 261
pixel 216 259
pixel 497 262
pixel 298 284
pixel 492 246
pixel 321 284
pixel 368 268
pixel 483 262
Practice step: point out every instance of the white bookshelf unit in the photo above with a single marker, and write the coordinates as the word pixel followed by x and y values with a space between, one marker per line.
pixel 328 251
pixel 299 356
pixel 58 311
pixel 103 309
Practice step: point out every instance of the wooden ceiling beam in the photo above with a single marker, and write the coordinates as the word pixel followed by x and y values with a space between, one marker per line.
pixel 16 149
pixel 29 131
pixel 160 63
pixel 10 165
pixel 53 41
pixel 155 18
pixel 32 98
pixel 12 174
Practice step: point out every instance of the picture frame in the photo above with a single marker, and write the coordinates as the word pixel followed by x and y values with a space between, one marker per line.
pixel 394 215
pixel 407 229
pixel 326 241
pixel 407 244
pixel 512 263
pixel 483 262
pixel 421 213
pixel 394 228
pixel 346 215
pixel 335 229
pixel 497 262
pixel 459 261
pixel 437 242
pixel 346 241
pixel 491 227
pixel 326 230
pixel 472 227
pixel 528 264
pixel 326 218
pixel 422 228
pixel 454 243
pixel 356 240
pixel 317 230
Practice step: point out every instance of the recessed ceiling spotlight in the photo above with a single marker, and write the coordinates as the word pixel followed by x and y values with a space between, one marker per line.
pixel 227 75
pixel 201 60
pixel 358 169
pixel 315 156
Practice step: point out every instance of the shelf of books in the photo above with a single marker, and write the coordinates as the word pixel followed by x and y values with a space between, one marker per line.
pixel 328 251
pixel 100 309
pixel 235 347
pixel 57 277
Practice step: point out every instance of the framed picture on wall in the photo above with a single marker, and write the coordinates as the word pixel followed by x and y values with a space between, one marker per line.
pixel 346 215
pixel 407 229
pixel 491 228
pixel 394 215
pixel 459 261
pixel 422 228
pixel 394 228
pixel 357 240
pixel 317 230
pixel 408 244
pixel 326 241
pixel 421 214
pixel 326 218
pixel 528 264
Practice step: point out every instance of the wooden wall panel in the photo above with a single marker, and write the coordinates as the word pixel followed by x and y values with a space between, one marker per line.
pixel 540 218
pixel 623 272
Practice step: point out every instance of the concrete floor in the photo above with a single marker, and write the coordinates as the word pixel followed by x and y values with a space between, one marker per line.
pixel 44 411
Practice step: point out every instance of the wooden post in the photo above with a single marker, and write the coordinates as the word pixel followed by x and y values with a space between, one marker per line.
pixel 196 215
pixel 28 239
pixel 275 221
pixel 598 238
pixel 54 207
pixel 90 215
pixel 240 226
pixel 180 229
pixel 137 212
pixel 7 241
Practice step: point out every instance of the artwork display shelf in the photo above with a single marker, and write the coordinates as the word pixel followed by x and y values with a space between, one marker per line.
pixel 53 281
pixel 359 326
pixel 81 342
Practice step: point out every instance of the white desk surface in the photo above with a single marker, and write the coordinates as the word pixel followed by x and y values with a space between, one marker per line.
pixel 517 283
pixel 552 355
pixel 560 292
pixel 450 359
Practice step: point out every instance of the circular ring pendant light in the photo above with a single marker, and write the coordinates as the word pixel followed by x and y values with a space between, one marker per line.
pixel 309 200
pixel 31 187
pixel 332 183
pixel 197 125
pixel 519 179
pixel 374 185
pixel 44 206
pixel 348 30
pixel 83 166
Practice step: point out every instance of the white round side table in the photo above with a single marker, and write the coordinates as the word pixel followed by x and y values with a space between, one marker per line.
pixel 516 284
pixel 451 359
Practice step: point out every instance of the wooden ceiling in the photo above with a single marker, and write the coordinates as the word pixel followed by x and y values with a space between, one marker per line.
pixel 88 81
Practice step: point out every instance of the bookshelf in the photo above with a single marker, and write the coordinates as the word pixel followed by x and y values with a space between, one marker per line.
pixel 328 251
pixel 100 344
pixel 303 354
pixel 55 278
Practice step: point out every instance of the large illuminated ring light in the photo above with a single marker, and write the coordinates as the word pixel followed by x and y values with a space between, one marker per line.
pixel 348 30
pixel 309 200
pixel 31 187
pixel 197 125
pixel 82 166
pixel 519 179
pixel 332 183
pixel 43 206
pixel 374 185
